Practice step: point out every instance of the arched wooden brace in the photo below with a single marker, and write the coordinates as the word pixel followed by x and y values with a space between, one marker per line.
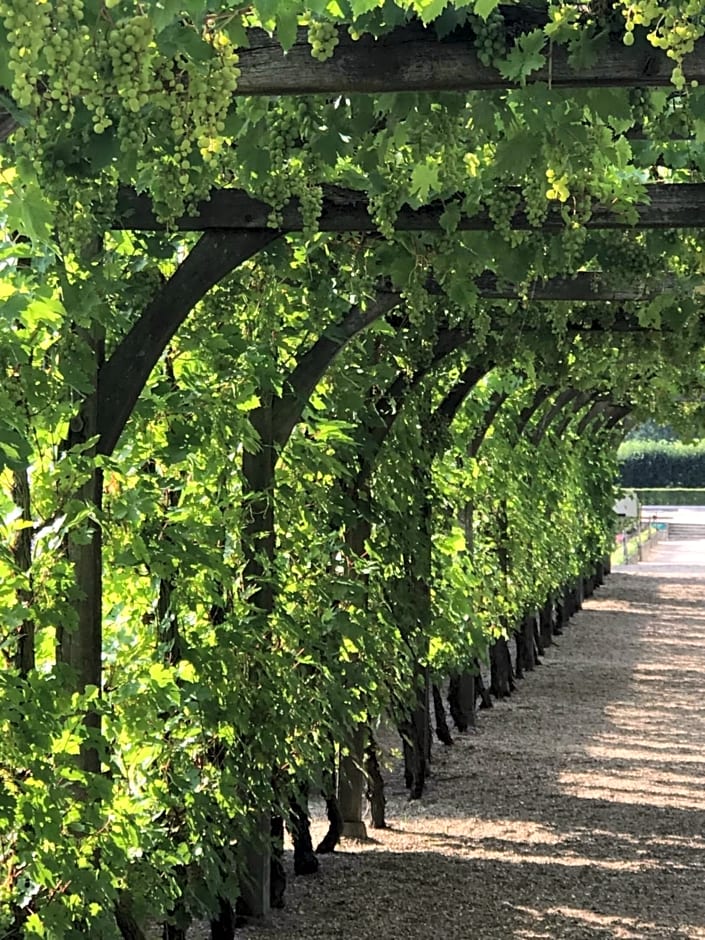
pixel 118 383
pixel 264 882
pixel 619 413
pixel 444 345
pixel 467 687
pixel 449 340
pixel 541 396
pixel 274 421
pixel 502 675
pixel 416 729
pixel 583 400
pixel 564 397
pixel 594 404
pixel 536 630
pixel 123 376
pixel 596 410
pixel 445 413
pixel 542 393
pixel 387 410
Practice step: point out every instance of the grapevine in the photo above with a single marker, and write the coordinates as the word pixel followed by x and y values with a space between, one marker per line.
pixel 490 37
pixel 117 72
pixel 116 95
pixel 323 38
pixel 673 27
pixel 501 207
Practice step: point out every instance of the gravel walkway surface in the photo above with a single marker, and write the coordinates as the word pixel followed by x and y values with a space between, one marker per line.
pixel 577 809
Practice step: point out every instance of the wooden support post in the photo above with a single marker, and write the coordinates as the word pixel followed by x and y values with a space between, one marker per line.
pixel 80 644
pixel 351 786
pixel 258 542
pixel 255 877
pixel 461 699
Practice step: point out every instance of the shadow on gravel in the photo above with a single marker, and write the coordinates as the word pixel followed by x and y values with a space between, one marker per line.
pixel 554 894
pixel 577 811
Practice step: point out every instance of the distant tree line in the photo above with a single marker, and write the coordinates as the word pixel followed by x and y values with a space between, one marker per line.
pixel 662 464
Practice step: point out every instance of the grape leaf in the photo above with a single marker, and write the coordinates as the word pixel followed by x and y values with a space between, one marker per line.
pixel 34 212
pixel 483 8
pixel 360 7
pixel 526 57
pixel 179 38
pixel 287 24
pixel 424 178
pixel 430 9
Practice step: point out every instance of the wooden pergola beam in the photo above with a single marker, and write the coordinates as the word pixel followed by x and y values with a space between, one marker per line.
pixel 413 58
pixel 667 206
pixel 585 286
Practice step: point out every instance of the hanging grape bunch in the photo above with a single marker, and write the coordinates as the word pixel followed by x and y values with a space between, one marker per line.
pixel 323 38
pixel 490 37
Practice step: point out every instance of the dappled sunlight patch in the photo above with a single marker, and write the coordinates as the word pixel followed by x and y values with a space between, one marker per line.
pixel 576 811
pixel 643 787
pixel 605 925
pixel 655 752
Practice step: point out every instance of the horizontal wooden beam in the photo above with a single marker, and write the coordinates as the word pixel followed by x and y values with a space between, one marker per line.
pixel 668 206
pixel 413 58
pixel 585 286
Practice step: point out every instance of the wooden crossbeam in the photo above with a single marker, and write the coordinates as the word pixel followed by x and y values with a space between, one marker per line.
pixel 585 286
pixel 668 206
pixel 413 58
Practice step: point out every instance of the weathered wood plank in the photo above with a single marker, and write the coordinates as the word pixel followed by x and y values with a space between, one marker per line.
pixel 413 58
pixel 669 206
pixel 584 286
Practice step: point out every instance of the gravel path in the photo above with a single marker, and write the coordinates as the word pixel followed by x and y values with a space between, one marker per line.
pixel 577 810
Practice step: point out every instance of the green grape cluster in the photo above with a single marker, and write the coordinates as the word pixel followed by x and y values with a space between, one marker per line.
pixel 501 207
pixel 631 256
pixel 23 20
pixel 383 208
pixel 573 239
pixel 490 37
pixel 639 100
pixel 535 202
pixel 294 166
pixel 311 203
pixel 323 38
pixel 674 27
pixel 282 137
pixel 129 45
pixel 196 98
pixel 50 46
pixel 167 112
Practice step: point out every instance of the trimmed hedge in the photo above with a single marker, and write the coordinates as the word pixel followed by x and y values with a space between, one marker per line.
pixel 648 464
pixel 670 497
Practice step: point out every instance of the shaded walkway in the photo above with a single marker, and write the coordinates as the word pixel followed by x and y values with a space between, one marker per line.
pixel 576 811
